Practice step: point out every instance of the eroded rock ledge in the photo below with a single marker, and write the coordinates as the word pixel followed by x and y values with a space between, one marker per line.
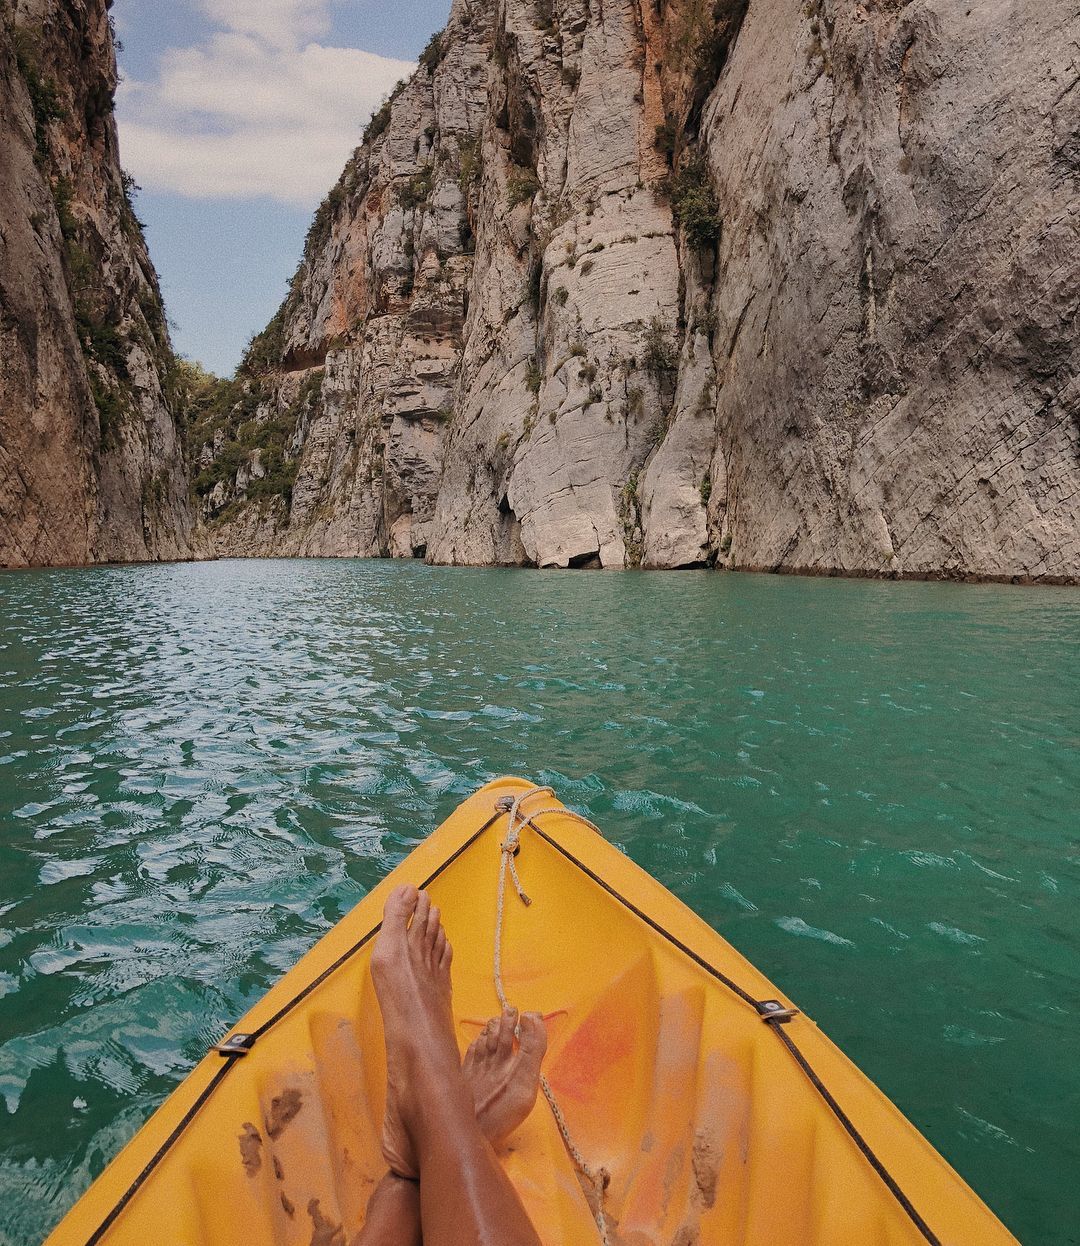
pixel 687 283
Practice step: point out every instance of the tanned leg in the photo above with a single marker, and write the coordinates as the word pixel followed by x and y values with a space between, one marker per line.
pixel 465 1197
pixel 504 1079
pixel 393 1214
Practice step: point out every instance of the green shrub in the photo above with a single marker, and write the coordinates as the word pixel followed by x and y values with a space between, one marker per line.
pixel 659 352
pixel 706 489
pixel 103 343
pixel 130 188
pixel 323 221
pixel 630 520
pixel 83 269
pixel 111 409
pixel 231 408
pixel 665 138
pixel 185 385
pixel 224 467
pixel 265 350
pixel 521 186
pixel 433 53
pixel 534 287
pixel 278 480
pixel 694 203
pixel 44 97
pixel 533 377
pixel 417 190
pixel 62 194
pixel 380 120
pixel 468 163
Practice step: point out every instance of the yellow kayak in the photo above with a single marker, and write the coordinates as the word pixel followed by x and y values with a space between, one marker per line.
pixel 698 1106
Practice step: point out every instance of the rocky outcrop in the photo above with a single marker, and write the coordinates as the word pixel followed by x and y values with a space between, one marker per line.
pixel 681 283
pixel 896 296
pixel 91 462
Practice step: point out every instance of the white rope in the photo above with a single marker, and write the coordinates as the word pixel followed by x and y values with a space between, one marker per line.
pixel 598 1179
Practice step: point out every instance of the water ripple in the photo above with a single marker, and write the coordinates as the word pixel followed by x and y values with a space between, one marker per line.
pixel 870 788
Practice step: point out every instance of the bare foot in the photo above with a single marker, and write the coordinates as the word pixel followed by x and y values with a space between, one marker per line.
pixel 410 968
pixel 504 1082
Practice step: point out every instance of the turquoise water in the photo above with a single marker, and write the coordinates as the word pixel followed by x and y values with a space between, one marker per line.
pixel 870 788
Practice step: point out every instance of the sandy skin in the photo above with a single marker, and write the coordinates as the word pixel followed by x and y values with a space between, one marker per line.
pixel 501 1066
pixel 443 1118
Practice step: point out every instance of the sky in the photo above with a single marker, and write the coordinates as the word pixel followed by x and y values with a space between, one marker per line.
pixel 236 117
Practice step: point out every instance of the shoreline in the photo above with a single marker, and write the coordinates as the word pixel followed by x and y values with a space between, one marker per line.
pixel 973 578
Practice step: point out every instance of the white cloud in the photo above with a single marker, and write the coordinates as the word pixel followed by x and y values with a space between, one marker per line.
pixel 285 23
pixel 259 108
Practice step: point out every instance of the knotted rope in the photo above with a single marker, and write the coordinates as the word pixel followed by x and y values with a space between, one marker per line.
pixel 597 1178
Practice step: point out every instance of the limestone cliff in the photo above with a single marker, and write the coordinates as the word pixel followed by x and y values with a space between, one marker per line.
pixel 677 282
pixel 91 463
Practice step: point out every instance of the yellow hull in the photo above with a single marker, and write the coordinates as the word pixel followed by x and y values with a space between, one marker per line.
pixel 705 1115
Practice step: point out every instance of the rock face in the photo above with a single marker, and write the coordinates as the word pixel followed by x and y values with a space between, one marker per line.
pixel 676 283
pixel 91 462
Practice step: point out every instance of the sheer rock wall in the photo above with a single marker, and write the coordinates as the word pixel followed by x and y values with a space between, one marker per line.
pixel 676 282
pixel 91 461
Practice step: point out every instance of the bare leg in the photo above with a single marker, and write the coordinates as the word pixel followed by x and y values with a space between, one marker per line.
pixel 465 1197
pixel 393 1214
pixel 503 1076
pixel 504 1080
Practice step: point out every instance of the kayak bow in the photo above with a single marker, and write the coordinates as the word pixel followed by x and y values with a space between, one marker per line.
pixel 698 1105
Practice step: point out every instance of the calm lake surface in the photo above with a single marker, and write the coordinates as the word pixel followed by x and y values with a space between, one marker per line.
pixel 871 789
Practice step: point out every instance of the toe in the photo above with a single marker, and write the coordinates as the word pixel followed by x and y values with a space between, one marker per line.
pixel 532 1035
pixel 418 926
pixel 491 1036
pixel 431 933
pixel 446 956
pixel 505 1031
pixel 473 1054
pixel 399 907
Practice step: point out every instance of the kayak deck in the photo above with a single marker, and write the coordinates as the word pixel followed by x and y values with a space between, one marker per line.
pixel 713 1124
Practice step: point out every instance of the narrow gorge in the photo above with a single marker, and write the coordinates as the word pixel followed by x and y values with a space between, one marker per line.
pixel 610 283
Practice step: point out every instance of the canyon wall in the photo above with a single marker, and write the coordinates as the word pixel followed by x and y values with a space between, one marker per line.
pixel 91 458
pixel 680 282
